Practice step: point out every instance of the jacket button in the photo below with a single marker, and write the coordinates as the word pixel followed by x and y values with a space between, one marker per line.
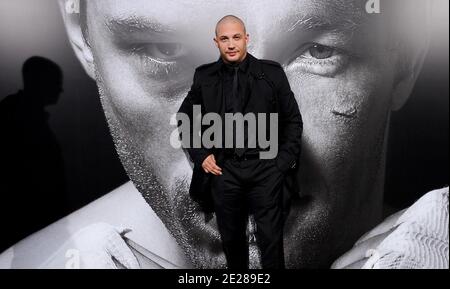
pixel 294 164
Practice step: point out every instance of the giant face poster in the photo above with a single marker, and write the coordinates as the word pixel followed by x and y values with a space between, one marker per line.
pixel 93 176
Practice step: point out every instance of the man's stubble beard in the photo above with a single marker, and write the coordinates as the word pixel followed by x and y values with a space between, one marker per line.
pixel 170 211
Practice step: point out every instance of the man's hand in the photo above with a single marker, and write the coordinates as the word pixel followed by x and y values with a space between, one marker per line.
pixel 209 166
pixel 99 246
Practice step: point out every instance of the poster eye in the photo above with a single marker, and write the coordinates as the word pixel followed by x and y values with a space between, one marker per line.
pixel 168 49
pixel 320 51
pixel 161 51
pixel 320 59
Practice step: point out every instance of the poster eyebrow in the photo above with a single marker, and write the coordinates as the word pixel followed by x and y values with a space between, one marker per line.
pixel 130 24
pixel 314 22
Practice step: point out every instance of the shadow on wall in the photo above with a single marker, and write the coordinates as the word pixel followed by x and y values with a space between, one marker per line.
pixel 32 178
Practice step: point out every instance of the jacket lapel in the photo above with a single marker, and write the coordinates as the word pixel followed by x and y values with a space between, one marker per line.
pixel 212 89
pixel 254 74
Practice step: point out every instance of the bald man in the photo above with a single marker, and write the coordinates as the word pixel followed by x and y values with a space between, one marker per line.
pixel 240 179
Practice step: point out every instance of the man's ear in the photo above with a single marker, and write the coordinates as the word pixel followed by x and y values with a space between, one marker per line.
pixel 78 42
pixel 406 77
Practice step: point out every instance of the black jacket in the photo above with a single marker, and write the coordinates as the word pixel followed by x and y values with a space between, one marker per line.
pixel 268 91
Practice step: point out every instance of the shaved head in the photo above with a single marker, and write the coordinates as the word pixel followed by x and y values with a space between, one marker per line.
pixel 227 19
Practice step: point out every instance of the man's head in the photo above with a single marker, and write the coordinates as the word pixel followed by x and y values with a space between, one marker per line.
pixel 231 39
pixel 42 80
pixel 348 70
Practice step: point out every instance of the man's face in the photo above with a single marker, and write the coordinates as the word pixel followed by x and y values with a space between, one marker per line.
pixel 341 70
pixel 232 41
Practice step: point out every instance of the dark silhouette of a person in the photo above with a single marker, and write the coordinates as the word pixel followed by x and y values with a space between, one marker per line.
pixel 32 180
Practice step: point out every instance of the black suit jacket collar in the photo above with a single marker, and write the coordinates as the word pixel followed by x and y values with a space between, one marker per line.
pixel 243 66
pixel 254 67
pixel 213 85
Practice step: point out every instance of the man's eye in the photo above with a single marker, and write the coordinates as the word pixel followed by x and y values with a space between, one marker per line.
pixel 160 60
pixel 161 51
pixel 320 52
pixel 319 59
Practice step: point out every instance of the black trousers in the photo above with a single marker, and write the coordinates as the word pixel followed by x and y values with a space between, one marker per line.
pixel 250 187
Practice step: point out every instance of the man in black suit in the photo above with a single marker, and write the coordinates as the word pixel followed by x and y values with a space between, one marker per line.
pixel 237 181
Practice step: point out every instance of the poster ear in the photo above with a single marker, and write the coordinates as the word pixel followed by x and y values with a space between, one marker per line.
pixel 407 77
pixel 71 17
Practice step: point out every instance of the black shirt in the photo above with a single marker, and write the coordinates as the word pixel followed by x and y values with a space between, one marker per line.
pixel 236 104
